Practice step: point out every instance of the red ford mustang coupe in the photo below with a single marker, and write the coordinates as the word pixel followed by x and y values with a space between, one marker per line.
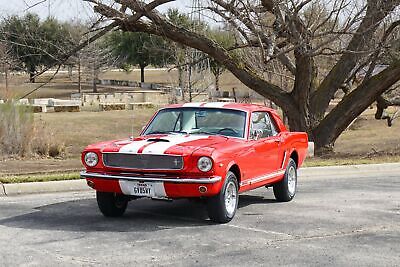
pixel 211 151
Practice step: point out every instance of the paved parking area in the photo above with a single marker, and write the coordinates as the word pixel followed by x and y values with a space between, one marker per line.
pixel 336 219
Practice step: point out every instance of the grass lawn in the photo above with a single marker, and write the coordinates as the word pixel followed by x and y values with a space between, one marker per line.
pixel 8 179
pixel 77 130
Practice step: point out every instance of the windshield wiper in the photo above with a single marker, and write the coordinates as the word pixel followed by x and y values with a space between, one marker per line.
pixel 158 132
pixel 184 132
pixel 204 132
pixel 167 132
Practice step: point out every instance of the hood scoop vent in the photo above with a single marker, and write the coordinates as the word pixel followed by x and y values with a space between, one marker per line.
pixel 157 140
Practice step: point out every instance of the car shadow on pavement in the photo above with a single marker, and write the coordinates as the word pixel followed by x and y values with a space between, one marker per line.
pixel 84 216
pixel 142 215
pixel 247 200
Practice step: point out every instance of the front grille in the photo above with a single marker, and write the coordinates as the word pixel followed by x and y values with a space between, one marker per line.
pixel 143 161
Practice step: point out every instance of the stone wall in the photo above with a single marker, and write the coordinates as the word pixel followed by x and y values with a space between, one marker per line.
pixel 155 97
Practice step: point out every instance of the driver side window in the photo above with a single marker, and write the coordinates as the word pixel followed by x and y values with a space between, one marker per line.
pixel 262 126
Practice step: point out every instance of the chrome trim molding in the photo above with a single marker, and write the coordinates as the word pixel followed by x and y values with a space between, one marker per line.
pixel 209 180
pixel 284 160
pixel 261 178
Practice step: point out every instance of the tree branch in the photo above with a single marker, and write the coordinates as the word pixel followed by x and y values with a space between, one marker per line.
pixel 354 104
pixel 161 27
pixel 361 40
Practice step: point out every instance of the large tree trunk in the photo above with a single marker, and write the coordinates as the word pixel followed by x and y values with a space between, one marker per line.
pixel 353 105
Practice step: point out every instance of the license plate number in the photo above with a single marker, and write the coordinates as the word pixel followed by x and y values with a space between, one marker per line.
pixel 142 189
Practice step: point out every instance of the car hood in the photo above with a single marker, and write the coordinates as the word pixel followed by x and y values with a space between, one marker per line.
pixel 173 144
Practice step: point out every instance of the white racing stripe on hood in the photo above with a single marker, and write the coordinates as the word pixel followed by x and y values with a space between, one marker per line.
pixel 161 147
pixel 133 147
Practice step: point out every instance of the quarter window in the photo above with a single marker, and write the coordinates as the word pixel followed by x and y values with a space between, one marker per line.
pixel 262 125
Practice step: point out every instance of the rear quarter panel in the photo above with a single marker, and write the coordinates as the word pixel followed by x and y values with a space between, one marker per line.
pixel 295 142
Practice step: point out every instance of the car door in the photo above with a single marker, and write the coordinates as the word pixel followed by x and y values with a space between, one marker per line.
pixel 266 144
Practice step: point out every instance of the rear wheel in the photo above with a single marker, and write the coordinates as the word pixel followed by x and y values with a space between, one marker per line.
pixel 222 207
pixel 285 190
pixel 111 204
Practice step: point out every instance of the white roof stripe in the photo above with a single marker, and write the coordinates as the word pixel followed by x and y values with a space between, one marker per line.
pixel 205 104
pixel 215 105
pixel 192 105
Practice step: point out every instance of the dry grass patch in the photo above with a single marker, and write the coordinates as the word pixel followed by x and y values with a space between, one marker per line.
pixel 369 138
pixel 22 136
pixel 77 130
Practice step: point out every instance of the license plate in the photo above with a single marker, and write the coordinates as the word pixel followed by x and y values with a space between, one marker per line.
pixel 142 189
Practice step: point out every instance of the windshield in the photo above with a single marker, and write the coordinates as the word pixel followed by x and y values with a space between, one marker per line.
pixel 211 121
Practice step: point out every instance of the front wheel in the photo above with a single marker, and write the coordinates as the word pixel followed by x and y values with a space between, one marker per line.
pixel 285 190
pixel 111 204
pixel 222 207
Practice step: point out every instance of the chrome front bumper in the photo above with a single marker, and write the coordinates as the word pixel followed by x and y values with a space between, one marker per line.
pixel 208 180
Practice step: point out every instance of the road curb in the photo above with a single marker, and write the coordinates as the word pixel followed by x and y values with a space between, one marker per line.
pixel 80 185
pixel 362 168
pixel 44 187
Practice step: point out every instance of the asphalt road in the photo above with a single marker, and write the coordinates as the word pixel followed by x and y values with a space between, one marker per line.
pixel 337 219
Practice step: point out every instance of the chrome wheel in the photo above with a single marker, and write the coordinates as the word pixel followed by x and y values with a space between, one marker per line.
pixel 230 198
pixel 285 190
pixel 292 180
pixel 222 207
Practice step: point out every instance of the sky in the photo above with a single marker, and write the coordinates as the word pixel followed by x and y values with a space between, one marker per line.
pixel 62 9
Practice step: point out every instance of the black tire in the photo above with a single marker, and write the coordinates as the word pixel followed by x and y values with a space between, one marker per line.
pixel 111 204
pixel 216 205
pixel 284 190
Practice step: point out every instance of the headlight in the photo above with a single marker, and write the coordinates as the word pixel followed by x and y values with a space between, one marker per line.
pixel 204 164
pixel 91 159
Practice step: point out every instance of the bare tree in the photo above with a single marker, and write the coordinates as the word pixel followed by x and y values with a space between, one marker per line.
pixel 5 61
pixel 346 32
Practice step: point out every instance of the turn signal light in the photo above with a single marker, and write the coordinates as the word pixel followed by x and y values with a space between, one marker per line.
pixel 202 189
pixel 90 184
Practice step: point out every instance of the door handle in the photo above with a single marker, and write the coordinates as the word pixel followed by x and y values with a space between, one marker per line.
pixel 278 140
pixel 274 140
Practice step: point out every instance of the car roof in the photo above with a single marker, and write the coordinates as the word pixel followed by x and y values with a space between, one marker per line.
pixel 228 105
